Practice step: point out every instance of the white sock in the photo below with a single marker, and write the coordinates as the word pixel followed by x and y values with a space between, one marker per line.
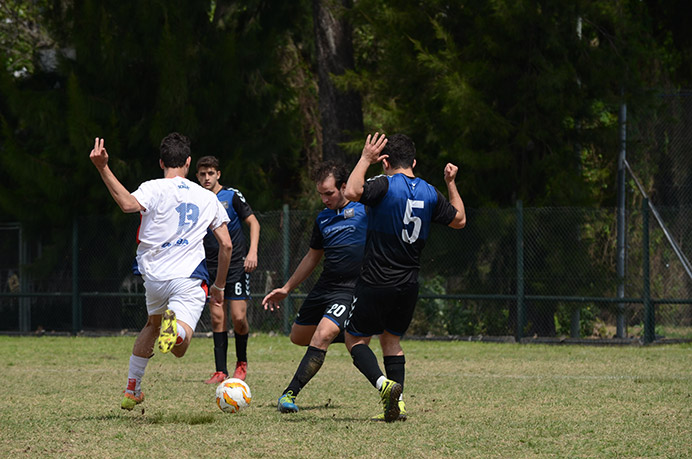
pixel 380 382
pixel 181 334
pixel 137 367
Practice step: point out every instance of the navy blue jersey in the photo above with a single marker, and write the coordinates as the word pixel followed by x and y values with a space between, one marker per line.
pixel 341 234
pixel 400 210
pixel 238 210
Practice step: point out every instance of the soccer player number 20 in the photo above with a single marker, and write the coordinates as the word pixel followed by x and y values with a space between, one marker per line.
pixel 410 218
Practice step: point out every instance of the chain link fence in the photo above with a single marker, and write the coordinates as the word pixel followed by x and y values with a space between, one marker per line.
pixel 550 269
pixel 511 273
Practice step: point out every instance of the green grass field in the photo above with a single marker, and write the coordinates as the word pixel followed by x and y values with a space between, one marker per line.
pixel 61 398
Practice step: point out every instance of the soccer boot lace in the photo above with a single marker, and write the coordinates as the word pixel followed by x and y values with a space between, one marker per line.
pixel 130 400
pixel 389 394
pixel 240 370
pixel 287 403
pixel 402 413
pixel 217 378
pixel 169 331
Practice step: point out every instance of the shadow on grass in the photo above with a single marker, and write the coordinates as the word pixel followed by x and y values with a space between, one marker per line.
pixel 157 418
pixel 315 409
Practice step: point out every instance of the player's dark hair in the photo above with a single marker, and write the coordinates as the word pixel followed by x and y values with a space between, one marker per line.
pixel 401 151
pixel 174 150
pixel 327 168
pixel 208 161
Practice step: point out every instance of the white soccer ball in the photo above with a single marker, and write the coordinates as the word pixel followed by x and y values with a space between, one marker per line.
pixel 233 395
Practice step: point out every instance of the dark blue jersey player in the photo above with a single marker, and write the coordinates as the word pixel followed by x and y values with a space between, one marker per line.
pixel 338 234
pixel 400 209
pixel 243 262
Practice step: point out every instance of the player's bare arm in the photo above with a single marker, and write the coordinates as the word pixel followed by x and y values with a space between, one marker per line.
pixel 124 199
pixel 305 268
pixel 455 200
pixel 225 251
pixel 251 258
pixel 370 155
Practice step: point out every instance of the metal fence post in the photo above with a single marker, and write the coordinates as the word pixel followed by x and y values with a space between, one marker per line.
pixel 288 303
pixel 621 330
pixel 24 301
pixel 521 306
pixel 76 301
pixel 649 313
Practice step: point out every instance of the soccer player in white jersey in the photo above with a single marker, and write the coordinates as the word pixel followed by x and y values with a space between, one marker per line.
pixel 175 216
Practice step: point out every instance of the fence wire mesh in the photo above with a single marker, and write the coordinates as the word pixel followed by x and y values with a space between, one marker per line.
pixel 469 278
pixel 551 269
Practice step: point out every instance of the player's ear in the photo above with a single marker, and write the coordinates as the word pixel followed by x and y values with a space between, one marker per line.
pixel 161 164
pixel 188 161
pixel 414 164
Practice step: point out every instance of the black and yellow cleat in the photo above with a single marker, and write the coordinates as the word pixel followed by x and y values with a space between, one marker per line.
pixel 390 393
pixel 402 413
pixel 130 400
pixel 169 331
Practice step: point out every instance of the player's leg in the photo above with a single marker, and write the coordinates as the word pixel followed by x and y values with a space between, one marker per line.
pixel 219 328
pixel 302 334
pixel 394 367
pixel 183 341
pixel 397 320
pixel 239 282
pixel 363 322
pixel 142 351
pixel 309 365
pixel 241 331
pixel 307 322
pixel 185 305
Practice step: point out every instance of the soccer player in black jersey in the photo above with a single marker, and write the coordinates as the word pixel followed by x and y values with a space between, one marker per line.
pixel 400 209
pixel 243 262
pixel 338 234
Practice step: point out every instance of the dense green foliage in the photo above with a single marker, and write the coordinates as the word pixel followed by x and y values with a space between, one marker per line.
pixel 523 95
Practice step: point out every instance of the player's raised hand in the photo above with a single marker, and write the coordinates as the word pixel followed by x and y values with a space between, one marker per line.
pixel 450 172
pixel 99 155
pixel 373 147
pixel 273 298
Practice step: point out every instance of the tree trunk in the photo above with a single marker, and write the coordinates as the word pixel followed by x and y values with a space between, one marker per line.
pixel 341 112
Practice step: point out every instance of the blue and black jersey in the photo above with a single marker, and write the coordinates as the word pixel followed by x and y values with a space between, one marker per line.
pixel 238 210
pixel 341 234
pixel 400 210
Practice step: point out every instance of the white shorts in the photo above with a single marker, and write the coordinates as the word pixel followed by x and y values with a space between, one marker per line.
pixel 184 296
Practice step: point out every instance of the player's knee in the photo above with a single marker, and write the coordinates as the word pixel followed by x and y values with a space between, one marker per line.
pixel 299 340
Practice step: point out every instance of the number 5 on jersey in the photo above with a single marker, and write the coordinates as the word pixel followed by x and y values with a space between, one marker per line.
pixel 410 218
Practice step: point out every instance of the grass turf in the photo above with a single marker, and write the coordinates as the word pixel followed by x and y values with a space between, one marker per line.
pixel 62 397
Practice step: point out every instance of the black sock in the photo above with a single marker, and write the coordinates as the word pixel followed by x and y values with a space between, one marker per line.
pixel 394 366
pixel 309 366
pixel 364 359
pixel 241 347
pixel 339 338
pixel 220 351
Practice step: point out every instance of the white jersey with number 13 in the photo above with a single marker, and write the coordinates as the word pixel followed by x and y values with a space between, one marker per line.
pixel 175 220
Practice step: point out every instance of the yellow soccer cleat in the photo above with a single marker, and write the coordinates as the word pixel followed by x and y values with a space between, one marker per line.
pixel 390 393
pixel 402 413
pixel 169 331
pixel 130 400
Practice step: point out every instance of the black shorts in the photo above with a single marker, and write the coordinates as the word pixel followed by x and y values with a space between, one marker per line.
pixel 334 305
pixel 378 309
pixel 237 282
